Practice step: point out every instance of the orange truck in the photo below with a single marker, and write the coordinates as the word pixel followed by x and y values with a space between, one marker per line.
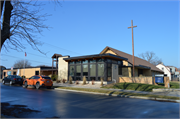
pixel 38 81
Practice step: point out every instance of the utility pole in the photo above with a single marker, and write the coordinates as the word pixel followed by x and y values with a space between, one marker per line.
pixel 132 44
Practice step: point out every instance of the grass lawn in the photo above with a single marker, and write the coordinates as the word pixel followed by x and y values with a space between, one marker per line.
pixel 134 86
pixel 118 92
pixel 175 85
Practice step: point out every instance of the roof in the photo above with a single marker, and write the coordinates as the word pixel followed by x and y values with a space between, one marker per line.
pixel 165 67
pixel 95 56
pixel 56 55
pixel 42 67
pixel 137 61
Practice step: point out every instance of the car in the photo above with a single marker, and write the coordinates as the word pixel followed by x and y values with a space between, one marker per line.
pixel 13 79
pixel 38 81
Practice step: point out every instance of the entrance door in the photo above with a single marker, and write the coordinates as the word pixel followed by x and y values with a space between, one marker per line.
pixel 115 73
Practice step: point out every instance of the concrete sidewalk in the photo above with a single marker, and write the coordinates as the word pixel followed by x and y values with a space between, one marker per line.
pixel 97 86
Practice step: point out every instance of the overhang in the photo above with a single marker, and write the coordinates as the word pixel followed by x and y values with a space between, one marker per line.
pixel 96 56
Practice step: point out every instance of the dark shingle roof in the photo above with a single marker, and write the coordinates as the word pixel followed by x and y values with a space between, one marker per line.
pixel 137 61
pixel 56 55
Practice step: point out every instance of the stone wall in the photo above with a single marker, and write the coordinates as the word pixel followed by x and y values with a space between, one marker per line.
pixel 145 80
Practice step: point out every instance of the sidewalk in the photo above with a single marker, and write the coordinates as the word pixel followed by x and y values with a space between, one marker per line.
pixel 97 86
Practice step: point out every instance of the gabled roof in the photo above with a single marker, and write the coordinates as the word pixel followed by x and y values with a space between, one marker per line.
pixel 56 55
pixel 137 61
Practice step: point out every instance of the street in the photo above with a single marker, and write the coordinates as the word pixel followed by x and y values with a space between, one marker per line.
pixel 64 104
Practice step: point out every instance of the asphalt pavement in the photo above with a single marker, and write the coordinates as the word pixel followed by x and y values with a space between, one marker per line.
pixel 53 103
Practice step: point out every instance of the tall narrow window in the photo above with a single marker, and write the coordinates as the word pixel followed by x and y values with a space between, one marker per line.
pixel 119 70
pixel 71 71
pixel 92 69
pixel 100 69
pixel 85 70
pixel 109 72
pixel 78 70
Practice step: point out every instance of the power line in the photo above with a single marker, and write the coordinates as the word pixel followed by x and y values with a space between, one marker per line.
pixel 22 58
pixel 37 55
pixel 62 48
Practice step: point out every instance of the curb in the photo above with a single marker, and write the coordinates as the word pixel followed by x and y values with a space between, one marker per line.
pixel 126 96
pixel 164 90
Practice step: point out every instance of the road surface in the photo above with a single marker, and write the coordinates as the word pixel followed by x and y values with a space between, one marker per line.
pixel 64 104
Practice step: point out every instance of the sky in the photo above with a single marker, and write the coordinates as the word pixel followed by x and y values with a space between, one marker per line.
pixel 87 27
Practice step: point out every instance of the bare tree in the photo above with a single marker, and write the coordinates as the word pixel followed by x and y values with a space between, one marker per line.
pixel 150 57
pixel 21 21
pixel 20 64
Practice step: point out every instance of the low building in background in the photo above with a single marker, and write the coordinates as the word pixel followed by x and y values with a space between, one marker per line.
pixel 171 71
pixel 165 69
pixel 29 71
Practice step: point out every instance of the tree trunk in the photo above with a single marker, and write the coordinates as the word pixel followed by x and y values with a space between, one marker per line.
pixel 2 2
pixel 5 31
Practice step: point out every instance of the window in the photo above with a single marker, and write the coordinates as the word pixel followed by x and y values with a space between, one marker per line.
pixel 92 69
pixel 18 77
pixel 14 72
pixel 37 77
pixel 140 72
pixel 100 60
pixel 78 70
pixel 92 61
pixel 46 77
pixel 78 62
pixel 100 69
pixel 99 78
pixel 86 61
pixel 163 69
pixel 108 60
pixel 92 78
pixel 78 78
pixel 114 61
pixel 36 72
pixel 120 63
pixel 71 62
pixel 109 71
pixel 32 77
pixel 71 71
pixel 85 70
pixel 119 70
pixel 4 74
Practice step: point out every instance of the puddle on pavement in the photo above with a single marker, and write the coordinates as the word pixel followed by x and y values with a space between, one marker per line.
pixel 15 110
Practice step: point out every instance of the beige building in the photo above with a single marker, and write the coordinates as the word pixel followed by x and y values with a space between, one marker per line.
pixel 28 71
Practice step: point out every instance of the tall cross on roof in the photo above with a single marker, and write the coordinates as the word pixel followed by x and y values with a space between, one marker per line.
pixel 132 43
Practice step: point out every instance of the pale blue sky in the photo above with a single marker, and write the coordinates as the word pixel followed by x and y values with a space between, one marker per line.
pixel 86 28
